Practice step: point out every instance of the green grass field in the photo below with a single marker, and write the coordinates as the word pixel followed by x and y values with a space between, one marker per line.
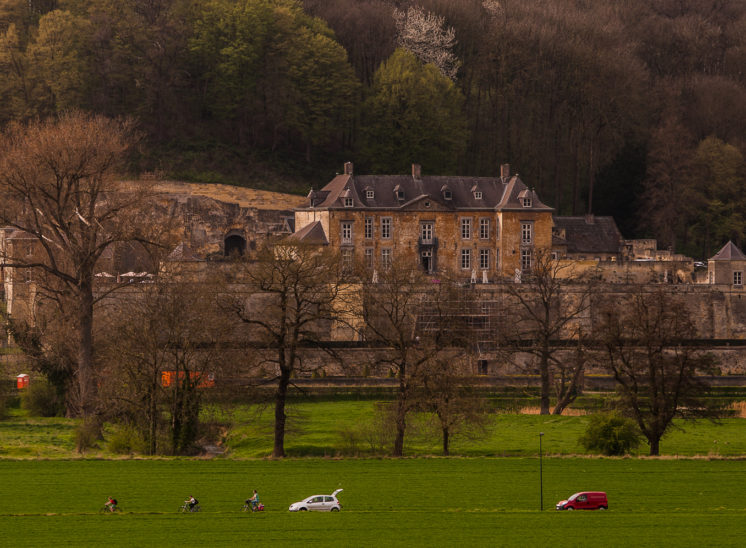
pixel 407 502
pixel 325 429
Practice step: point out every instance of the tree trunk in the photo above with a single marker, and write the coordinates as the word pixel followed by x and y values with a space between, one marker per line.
pixel 401 416
pixel 654 447
pixel 544 370
pixel 86 381
pixel 445 441
pixel 278 451
pixel 401 426
pixel 153 421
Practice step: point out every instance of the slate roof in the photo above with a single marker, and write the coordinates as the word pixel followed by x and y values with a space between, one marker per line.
pixel 589 234
pixel 311 233
pixel 729 253
pixel 497 193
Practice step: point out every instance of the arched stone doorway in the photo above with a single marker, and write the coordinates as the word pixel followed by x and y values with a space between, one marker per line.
pixel 234 244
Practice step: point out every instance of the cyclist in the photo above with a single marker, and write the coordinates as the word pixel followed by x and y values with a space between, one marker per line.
pixel 254 501
pixel 111 504
pixel 192 502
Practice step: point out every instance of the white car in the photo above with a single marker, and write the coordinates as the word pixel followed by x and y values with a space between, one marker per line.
pixel 319 503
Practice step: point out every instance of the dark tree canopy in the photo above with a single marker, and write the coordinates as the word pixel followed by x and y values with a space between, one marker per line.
pixel 277 93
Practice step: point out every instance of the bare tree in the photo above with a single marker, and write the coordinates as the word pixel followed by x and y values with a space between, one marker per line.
pixel 57 185
pixel 295 292
pixel 163 344
pixel 411 316
pixel 551 303
pixel 647 346
pixel 446 392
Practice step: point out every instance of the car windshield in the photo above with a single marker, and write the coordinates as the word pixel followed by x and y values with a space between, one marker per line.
pixel 574 496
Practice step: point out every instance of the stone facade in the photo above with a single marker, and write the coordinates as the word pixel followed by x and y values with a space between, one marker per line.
pixel 476 227
pixel 727 267
pixel 213 221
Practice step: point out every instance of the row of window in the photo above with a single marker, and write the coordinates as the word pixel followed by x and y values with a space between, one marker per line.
pixel 427 230
pixel 447 194
pixel 426 258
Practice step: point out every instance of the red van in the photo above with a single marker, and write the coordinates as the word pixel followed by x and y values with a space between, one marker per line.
pixel 585 500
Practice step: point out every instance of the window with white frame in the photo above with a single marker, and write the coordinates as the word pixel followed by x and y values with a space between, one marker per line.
pixel 484 259
pixel 738 277
pixel 369 194
pixel 466 259
pixel 477 195
pixel 484 229
pixel 346 232
pixel 527 233
pixel 348 202
pixel 386 223
pixel 526 260
pixel 369 257
pixel 466 229
pixel 347 258
pixel 526 202
pixel 386 257
pixel 369 228
pixel 426 232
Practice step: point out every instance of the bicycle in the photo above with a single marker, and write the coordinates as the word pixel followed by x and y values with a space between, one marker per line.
pixel 187 508
pixel 109 509
pixel 249 508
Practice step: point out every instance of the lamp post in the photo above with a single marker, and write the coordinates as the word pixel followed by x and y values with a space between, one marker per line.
pixel 541 479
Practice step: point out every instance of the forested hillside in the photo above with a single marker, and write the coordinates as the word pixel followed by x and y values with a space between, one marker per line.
pixel 634 108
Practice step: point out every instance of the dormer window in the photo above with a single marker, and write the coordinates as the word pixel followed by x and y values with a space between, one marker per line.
pixel 477 195
pixel 399 192
pixel 369 194
pixel 526 202
pixel 347 198
pixel 447 194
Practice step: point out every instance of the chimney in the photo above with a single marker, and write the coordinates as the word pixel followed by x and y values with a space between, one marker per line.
pixel 505 171
pixel 416 171
pixel 348 168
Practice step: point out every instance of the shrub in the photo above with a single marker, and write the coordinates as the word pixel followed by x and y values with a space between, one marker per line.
pixel 611 434
pixel 40 399
pixel 87 435
pixel 125 440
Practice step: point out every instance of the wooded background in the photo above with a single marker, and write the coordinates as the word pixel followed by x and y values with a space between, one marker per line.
pixel 631 108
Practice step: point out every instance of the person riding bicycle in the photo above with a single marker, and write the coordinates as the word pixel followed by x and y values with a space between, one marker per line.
pixel 111 504
pixel 192 502
pixel 253 501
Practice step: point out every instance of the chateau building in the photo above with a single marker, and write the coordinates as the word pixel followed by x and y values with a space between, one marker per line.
pixel 727 266
pixel 483 227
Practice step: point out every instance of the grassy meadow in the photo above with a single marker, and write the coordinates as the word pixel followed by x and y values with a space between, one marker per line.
pixel 488 495
pixel 405 502
pixel 348 428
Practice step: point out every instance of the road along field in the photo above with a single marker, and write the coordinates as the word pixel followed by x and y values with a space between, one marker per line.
pixel 407 502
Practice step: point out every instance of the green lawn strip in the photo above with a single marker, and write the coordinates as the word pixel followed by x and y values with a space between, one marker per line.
pixel 317 429
pixel 408 528
pixel 326 428
pixel 385 502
